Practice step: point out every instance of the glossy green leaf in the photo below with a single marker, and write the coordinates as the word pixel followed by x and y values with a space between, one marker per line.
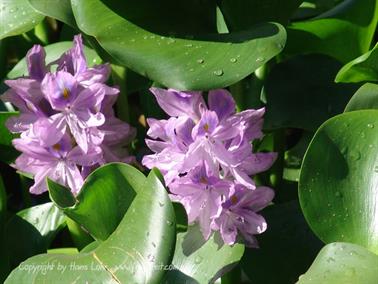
pixel 242 14
pixel 53 52
pixel 7 152
pixel 58 9
pixel 339 180
pixel 363 68
pixel 109 189
pixel 287 248
pixel 218 61
pixel 133 254
pixel 197 261
pixel 342 263
pixel 17 17
pixel 301 92
pixel 331 33
pixel 366 97
pixel 31 231
pixel 5 136
pixel 174 17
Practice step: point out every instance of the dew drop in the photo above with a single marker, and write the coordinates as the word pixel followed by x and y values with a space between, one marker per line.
pixel 171 40
pixel 169 223
pixel 161 204
pixel 218 72
pixel 355 155
pixel 153 244
pixel 198 259
pixel 370 125
pixel 233 60
pixel 200 61
pixel 189 45
pixel 151 258
pixel 338 194
pixel 376 169
pixel 260 59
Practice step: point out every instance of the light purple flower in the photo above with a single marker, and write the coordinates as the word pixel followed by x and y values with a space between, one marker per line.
pixel 201 192
pixel 66 120
pixel 239 215
pixel 214 142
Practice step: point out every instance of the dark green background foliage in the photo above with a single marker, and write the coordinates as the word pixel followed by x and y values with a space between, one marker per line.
pixel 312 64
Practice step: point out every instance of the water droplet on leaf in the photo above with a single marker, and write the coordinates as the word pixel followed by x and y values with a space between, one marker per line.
pixel 218 72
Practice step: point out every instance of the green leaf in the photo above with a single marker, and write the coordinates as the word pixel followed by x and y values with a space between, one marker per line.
pixel 363 68
pixel 339 180
pixel 342 263
pixel 53 52
pixel 58 9
pixel 288 246
pixel 301 92
pixel 243 14
pixel 7 152
pixel 331 33
pixel 143 241
pixel 109 190
pixel 197 261
pixel 174 17
pixel 366 97
pixel 184 64
pixel 17 17
pixel 5 136
pixel 31 231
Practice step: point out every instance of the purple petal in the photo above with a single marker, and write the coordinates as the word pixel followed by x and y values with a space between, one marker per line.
pixel 206 126
pixel 222 103
pixel 176 103
pixel 88 159
pixel 60 89
pixel 97 74
pixel 73 61
pixel 36 62
pixel 259 162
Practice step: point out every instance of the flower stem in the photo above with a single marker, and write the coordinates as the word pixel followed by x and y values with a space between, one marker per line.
pixel 122 104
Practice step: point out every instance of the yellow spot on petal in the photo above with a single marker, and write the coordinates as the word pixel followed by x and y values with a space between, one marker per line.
pixel 57 147
pixel 203 180
pixel 206 127
pixel 234 200
pixel 66 93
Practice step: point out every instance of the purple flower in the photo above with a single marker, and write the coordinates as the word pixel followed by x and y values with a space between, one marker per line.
pixel 201 192
pixel 211 141
pixel 239 214
pixel 66 120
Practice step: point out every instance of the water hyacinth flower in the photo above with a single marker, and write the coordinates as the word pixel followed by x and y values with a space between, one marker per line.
pixel 205 153
pixel 66 123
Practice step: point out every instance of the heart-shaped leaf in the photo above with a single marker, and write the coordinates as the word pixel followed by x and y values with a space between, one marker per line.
pixel 288 245
pixel 109 190
pixel 31 231
pixel 301 92
pixel 218 61
pixel 242 14
pixel 363 68
pixel 198 261
pixel 332 32
pixel 339 180
pixel 341 263
pixel 366 97
pixel 53 52
pixel 143 242
pixel 58 9
pixel 17 17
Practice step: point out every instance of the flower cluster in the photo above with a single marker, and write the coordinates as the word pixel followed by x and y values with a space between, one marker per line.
pixel 66 123
pixel 205 154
